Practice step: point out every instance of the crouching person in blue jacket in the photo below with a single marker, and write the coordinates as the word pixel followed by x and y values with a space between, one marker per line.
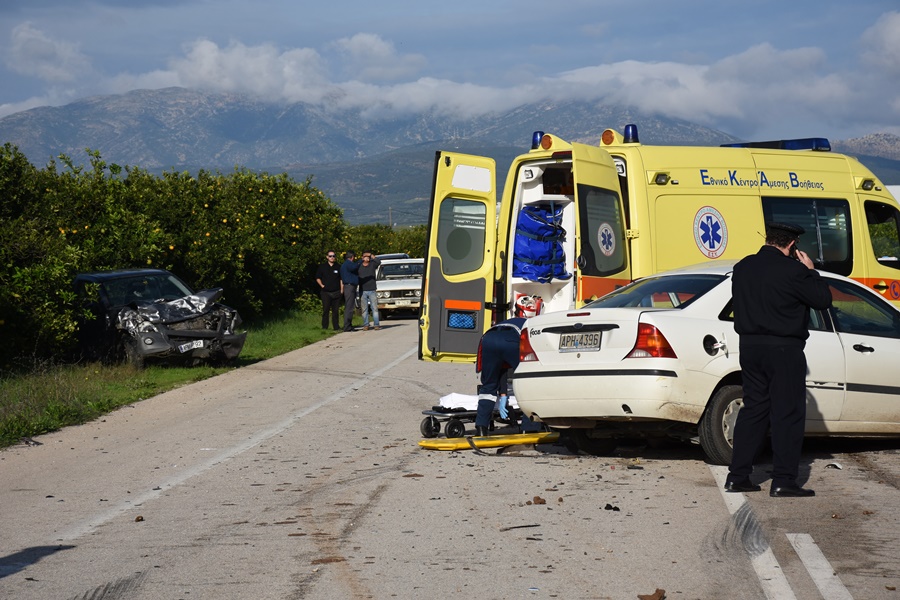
pixel 498 354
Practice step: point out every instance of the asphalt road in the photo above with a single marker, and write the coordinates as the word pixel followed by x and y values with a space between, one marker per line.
pixel 301 477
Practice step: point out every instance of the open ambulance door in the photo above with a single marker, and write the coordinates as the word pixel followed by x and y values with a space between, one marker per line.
pixel 457 296
pixel 602 259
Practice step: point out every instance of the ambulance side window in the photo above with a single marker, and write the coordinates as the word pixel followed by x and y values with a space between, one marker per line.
pixel 461 235
pixel 828 239
pixel 602 232
pixel 884 231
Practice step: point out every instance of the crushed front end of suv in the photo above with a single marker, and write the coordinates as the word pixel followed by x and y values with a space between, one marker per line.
pixel 151 315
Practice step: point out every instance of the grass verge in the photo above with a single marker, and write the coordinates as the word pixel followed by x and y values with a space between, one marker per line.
pixel 53 397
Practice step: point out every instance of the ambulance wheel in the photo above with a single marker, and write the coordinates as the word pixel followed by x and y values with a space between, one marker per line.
pixel 429 427
pixel 716 429
pixel 595 446
pixel 454 428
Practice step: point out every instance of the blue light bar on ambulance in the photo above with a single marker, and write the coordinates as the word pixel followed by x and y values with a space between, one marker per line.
pixel 819 144
pixel 631 135
pixel 536 139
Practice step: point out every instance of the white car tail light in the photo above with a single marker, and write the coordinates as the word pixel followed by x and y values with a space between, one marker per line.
pixel 651 343
pixel 526 352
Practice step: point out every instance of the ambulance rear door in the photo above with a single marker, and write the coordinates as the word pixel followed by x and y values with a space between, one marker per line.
pixel 457 302
pixel 601 250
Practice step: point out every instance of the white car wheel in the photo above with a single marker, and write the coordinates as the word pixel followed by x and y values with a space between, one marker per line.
pixel 717 426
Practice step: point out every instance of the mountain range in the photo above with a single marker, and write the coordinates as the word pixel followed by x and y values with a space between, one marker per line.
pixel 378 168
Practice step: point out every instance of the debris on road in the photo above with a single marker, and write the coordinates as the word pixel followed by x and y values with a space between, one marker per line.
pixel 519 527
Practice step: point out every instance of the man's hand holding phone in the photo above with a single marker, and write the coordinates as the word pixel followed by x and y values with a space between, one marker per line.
pixel 801 256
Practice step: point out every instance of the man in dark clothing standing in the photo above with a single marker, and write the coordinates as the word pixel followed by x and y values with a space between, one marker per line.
pixel 773 291
pixel 368 286
pixel 328 276
pixel 350 279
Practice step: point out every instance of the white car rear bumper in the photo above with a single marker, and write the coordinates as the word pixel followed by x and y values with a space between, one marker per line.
pixel 639 394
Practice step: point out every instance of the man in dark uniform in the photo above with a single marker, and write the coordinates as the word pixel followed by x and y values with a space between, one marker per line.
pixel 497 353
pixel 328 276
pixel 773 291
pixel 350 278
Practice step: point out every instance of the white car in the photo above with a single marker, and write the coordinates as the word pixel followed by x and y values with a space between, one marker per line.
pixel 660 357
pixel 399 285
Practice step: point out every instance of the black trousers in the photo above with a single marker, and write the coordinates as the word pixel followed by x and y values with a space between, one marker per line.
pixel 349 305
pixel 331 304
pixel 774 398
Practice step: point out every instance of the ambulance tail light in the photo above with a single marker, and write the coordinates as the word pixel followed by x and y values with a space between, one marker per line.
pixel 526 352
pixel 651 343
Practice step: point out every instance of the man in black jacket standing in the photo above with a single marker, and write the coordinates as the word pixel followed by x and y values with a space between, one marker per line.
pixel 773 291
pixel 331 290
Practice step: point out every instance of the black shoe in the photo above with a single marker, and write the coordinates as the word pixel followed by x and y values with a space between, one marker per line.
pixel 790 491
pixel 741 486
pixel 481 431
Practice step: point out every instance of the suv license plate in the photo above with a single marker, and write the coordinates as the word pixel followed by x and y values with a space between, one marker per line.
pixel 579 342
pixel 190 345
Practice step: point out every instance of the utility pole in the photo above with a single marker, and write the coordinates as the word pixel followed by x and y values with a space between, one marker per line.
pixel 390 218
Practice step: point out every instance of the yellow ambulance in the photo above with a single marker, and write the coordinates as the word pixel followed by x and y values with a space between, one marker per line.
pixel 576 221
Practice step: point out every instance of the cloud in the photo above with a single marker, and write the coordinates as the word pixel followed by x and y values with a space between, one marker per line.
pixel 370 58
pixel 33 53
pixel 463 100
pixel 883 44
pixel 294 75
pixel 760 89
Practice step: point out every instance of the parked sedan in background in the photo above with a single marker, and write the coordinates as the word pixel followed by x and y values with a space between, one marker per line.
pixel 399 285
pixel 660 357
pixel 150 314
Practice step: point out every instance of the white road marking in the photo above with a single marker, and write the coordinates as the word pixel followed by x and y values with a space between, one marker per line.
pixel 76 530
pixel 774 584
pixel 819 568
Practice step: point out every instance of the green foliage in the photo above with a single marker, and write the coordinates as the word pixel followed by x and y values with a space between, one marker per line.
pixel 381 239
pixel 413 240
pixel 258 236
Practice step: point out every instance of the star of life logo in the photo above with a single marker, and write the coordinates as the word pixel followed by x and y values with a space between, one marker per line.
pixel 710 232
pixel 606 239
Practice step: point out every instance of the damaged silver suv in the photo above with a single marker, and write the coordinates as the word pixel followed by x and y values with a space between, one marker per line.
pixel 150 314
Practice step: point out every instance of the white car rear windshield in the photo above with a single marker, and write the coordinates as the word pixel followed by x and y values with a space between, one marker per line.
pixel 675 291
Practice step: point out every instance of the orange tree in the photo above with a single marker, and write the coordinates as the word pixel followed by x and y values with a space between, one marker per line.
pixel 383 239
pixel 57 225
pixel 257 235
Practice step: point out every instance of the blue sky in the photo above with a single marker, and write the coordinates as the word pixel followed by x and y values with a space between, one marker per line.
pixel 757 70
